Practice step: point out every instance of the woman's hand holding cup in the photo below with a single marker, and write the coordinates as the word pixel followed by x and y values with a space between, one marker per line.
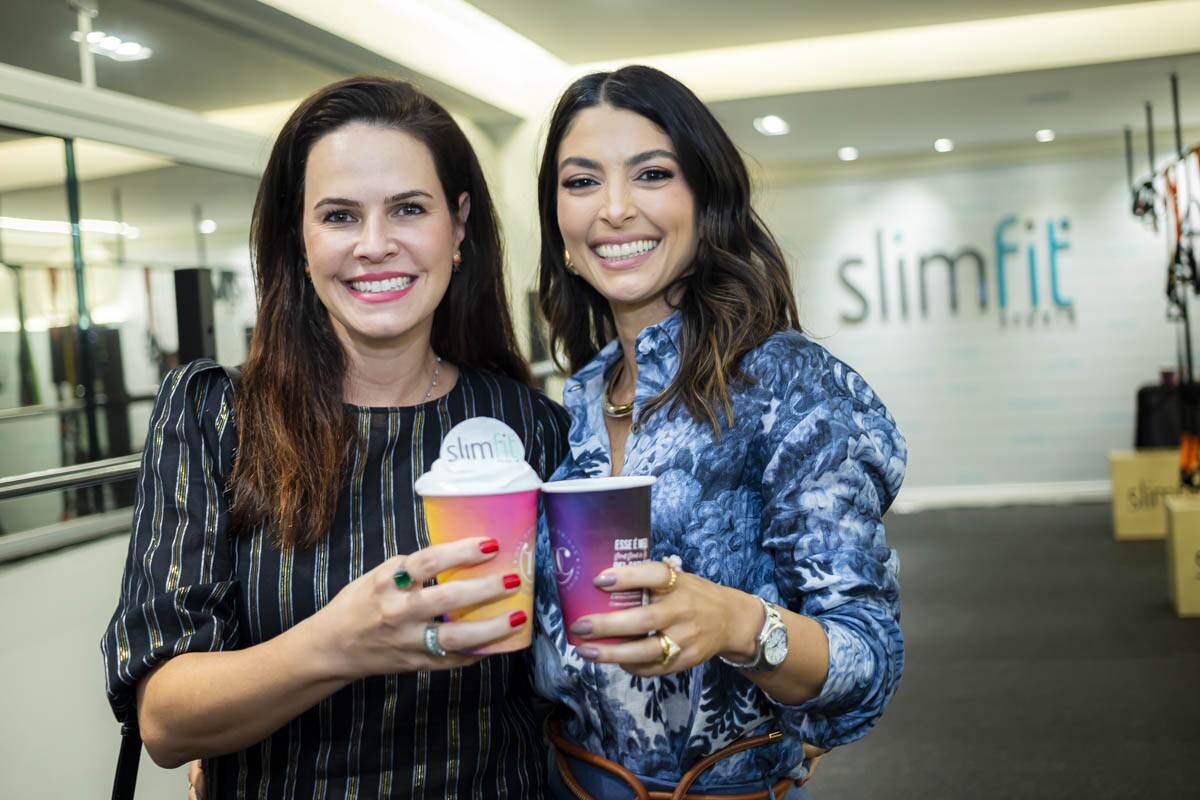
pixel 380 622
pixel 688 621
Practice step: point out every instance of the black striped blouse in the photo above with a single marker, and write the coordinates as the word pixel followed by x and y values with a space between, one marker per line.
pixel 188 587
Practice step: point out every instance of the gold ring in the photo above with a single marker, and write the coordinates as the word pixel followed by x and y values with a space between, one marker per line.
pixel 670 649
pixel 669 586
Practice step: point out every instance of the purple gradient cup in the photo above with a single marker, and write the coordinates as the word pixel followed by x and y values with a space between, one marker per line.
pixel 594 524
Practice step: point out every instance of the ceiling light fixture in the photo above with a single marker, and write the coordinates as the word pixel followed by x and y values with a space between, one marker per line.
pixel 943 145
pixel 1045 135
pixel 207 226
pixel 103 44
pixel 847 153
pixel 771 125
pixel 64 228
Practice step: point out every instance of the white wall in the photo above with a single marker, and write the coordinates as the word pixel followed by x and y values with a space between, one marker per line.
pixel 59 739
pixel 1034 395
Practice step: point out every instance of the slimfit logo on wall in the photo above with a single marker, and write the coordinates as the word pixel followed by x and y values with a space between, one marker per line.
pixel 1145 496
pixel 1019 276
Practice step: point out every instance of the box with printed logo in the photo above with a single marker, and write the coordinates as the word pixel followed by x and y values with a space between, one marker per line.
pixel 1141 481
pixel 1183 554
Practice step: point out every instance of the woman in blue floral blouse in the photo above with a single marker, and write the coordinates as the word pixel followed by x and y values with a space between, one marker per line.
pixel 774 602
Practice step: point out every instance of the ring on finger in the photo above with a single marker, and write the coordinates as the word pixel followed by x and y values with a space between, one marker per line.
pixel 670 649
pixel 669 586
pixel 402 578
pixel 431 640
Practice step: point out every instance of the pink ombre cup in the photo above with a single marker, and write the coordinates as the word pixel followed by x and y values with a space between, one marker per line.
pixel 595 524
pixel 480 485
pixel 510 519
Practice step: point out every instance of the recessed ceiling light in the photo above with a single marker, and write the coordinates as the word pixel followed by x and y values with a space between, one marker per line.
pixel 943 145
pixel 103 44
pixel 1045 135
pixel 847 153
pixel 771 125
pixel 207 226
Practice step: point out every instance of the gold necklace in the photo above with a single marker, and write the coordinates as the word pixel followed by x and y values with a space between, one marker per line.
pixel 611 409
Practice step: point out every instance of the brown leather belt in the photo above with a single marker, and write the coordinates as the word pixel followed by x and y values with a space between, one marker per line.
pixel 564 748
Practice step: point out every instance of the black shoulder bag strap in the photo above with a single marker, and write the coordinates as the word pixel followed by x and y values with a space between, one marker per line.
pixel 130 754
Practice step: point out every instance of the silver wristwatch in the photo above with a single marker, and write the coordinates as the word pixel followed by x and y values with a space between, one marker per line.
pixel 772 647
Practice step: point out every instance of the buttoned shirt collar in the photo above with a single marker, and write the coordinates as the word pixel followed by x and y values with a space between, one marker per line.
pixel 657 354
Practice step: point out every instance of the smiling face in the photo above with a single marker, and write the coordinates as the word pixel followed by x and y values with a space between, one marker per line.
pixel 625 211
pixel 379 235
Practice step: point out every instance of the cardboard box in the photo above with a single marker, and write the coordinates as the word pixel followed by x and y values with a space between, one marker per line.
pixel 1183 554
pixel 1141 480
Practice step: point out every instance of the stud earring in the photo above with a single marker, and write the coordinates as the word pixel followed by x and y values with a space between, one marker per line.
pixel 570 265
pixel 456 264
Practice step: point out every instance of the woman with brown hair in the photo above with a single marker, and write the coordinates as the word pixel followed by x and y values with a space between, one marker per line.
pixel 275 618
pixel 773 630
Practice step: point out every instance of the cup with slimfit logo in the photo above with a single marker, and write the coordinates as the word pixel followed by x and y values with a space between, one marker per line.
pixel 481 485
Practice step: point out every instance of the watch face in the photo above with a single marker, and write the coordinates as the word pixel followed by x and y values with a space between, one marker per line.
pixel 776 646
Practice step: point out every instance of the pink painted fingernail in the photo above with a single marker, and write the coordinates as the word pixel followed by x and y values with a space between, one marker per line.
pixel 604 579
pixel 582 628
pixel 590 653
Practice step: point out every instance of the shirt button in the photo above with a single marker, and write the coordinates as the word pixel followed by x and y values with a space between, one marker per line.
pixel 635 428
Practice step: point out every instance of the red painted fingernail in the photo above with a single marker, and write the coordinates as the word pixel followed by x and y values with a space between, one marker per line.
pixel 516 619
pixel 512 581
pixel 489 546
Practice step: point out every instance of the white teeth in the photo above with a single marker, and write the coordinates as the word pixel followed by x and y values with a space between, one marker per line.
pixel 387 285
pixel 625 250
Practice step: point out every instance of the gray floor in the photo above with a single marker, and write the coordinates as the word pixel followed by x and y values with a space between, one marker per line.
pixel 1043 661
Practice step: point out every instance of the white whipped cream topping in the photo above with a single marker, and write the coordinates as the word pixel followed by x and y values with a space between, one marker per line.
pixel 480 455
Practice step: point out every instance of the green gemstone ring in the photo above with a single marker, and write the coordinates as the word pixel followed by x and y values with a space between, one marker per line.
pixel 402 578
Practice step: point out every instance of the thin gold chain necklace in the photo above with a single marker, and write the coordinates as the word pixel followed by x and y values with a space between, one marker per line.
pixel 437 368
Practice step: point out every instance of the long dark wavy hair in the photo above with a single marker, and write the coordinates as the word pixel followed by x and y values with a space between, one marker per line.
pixel 295 438
pixel 738 292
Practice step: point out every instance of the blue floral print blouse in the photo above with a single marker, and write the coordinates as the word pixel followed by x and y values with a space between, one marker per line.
pixel 785 504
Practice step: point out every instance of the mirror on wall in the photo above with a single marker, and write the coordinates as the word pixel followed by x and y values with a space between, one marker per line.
pixel 89 329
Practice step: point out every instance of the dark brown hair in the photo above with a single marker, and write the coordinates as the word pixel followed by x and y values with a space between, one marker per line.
pixel 737 293
pixel 295 438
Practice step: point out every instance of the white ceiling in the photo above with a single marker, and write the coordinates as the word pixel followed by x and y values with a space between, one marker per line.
pixel 583 31
pixel 197 64
pixel 1081 104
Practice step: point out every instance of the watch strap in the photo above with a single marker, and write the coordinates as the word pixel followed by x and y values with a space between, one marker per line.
pixel 771 620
